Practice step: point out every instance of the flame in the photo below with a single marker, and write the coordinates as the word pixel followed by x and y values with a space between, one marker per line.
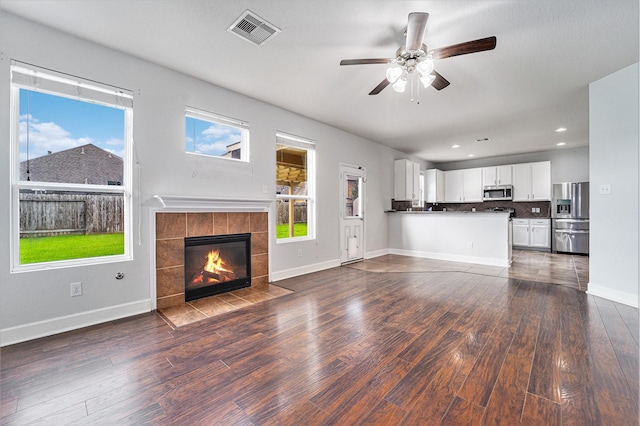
pixel 215 263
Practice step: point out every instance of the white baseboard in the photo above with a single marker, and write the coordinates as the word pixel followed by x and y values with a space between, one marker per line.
pixel 35 330
pixel 377 253
pixel 303 270
pixel 452 257
pixel 614 295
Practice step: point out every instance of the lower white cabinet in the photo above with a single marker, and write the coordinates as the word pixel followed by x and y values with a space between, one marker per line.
pixel 534 233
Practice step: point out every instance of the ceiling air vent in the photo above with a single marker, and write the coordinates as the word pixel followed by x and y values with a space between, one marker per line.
pixel 253 28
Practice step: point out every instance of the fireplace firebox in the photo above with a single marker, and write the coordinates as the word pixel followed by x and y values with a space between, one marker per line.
pixel 216 264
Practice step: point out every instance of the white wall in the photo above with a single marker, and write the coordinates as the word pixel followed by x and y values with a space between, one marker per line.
pixel 39 303
pixel 613 142
pixel 567 165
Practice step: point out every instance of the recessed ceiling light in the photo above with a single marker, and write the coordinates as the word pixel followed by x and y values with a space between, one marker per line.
pixel 455 146
pixel 472 155
pixel 561 129
pixel 561 143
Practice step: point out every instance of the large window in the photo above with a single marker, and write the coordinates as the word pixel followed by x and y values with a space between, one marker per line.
pixel 71 170
pixel 215 135
pixel 295 188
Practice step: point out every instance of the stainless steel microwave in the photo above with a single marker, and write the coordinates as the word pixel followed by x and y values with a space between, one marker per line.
pixel 496 193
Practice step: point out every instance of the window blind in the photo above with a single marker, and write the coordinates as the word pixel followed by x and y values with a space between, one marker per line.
pixel 294 141
pixel 38 79
pixel 220 119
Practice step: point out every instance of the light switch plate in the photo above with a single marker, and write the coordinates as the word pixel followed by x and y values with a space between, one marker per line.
pixel 605 188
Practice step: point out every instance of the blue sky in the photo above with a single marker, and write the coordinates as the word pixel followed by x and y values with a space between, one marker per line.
pixel 209 138
pixel 57 123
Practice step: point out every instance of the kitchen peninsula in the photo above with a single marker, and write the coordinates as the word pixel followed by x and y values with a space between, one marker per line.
pixel 473 237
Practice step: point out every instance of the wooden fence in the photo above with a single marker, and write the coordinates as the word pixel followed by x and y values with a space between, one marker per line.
pixel 51 214
pixel 299 212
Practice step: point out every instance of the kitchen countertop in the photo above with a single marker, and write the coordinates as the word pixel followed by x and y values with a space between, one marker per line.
pixel 443 212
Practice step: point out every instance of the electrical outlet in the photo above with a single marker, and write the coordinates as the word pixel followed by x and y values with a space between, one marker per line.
pixel 470 244
pixel 533 209
pixel 300 253
pixel 76 289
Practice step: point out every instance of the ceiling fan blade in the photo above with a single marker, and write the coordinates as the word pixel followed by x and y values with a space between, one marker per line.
pixel 440 82
pixel 366 61
pixel 465 48
pixel 384 83
pixel 415 30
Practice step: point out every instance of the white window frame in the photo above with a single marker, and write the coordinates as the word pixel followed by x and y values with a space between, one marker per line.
pixel 29 77
pixel 310 147
pixel 210 117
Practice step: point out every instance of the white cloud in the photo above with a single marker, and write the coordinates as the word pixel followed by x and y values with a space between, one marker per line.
pixel 212 148
pixel 44 137
pixel 49 136
pixel 218 132
pixel 218 137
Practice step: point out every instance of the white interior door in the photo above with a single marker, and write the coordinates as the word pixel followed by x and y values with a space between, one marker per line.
pixel 352 182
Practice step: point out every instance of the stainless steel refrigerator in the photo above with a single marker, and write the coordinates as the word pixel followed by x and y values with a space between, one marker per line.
pixel 570 218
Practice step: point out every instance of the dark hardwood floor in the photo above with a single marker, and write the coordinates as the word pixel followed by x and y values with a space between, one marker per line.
pixel 349 346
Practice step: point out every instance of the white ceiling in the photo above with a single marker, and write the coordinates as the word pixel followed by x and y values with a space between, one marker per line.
pixel 536 79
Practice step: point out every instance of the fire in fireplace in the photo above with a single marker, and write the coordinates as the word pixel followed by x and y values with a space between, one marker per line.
pixel 216 264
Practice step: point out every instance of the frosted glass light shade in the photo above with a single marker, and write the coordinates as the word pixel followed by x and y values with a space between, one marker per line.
pixel 399 85
pixel 425 66
pixel 393 73
pixel 427 79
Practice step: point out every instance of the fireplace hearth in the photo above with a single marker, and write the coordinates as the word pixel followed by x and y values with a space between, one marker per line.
pixel 216 264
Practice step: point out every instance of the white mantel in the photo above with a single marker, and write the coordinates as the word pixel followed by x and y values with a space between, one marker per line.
pixel 182 203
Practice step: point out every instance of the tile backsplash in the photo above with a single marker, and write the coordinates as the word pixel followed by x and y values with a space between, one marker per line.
pixel 522 209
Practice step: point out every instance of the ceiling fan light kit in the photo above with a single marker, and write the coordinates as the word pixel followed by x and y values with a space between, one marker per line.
pixel 413 59
pixel 401 70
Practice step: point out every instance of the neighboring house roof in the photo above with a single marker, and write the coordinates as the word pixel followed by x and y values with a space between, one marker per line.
pixel 86 164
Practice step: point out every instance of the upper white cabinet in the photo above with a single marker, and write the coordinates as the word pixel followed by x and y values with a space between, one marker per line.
pixel 532 181
pixel 498 175
pixel 406 180
pixel 434 183
pixel 463 186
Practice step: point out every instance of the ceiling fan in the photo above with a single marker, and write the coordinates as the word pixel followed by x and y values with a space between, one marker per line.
pixel 414 59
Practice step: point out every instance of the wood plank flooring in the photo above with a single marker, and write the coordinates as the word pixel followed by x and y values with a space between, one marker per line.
pixel 348 346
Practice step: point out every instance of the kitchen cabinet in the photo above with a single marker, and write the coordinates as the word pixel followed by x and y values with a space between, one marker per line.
pixel 532 181
pixel 533 233
pixel 434 183
pixel 540 230
pixel 406 181
pixel 463 186
pixel 498 175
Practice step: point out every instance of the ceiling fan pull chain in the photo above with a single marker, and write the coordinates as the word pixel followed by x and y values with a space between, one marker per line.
pixel 413 86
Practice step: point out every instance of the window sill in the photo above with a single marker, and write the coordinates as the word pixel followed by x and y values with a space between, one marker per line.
pixel 293 240
pixel 71 263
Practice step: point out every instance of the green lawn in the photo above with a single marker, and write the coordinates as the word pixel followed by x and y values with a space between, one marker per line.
pixel 64 247
pixel 299 230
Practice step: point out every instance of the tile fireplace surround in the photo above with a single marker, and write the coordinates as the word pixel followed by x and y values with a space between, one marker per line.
pixel 172 227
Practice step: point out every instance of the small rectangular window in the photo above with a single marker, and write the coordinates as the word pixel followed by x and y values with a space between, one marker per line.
pixel 295 188
pixel 215 135
pixel 71 170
